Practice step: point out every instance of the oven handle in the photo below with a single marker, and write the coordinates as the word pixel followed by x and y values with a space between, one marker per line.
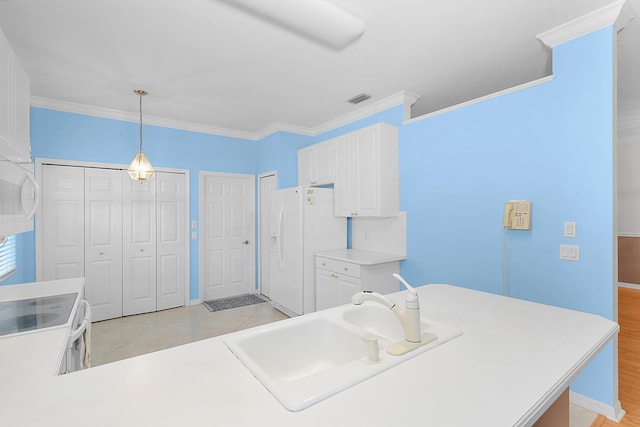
pixel 83 326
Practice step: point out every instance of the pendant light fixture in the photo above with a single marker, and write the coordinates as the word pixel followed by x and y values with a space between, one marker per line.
pixel 140 168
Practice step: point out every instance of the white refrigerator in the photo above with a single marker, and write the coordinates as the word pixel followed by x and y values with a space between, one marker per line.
pixel 302 222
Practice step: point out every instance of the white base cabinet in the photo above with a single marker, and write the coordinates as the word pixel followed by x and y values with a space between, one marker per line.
pixel 337 281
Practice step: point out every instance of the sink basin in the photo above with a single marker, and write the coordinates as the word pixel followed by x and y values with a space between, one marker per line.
pixel 304 360
pixel 296 352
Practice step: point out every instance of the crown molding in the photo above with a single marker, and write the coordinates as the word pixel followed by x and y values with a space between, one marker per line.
pixel 585 24
pixel 107 113
pixel 407 99
pixel 481 99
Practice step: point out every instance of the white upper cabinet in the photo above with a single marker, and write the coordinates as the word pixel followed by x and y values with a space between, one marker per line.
pixel 367 182
pixel 14 106
pixel 317 164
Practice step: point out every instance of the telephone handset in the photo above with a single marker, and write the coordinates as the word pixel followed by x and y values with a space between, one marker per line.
pixel 517 215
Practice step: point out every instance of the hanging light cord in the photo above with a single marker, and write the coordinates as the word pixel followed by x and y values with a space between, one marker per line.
pixel 140 94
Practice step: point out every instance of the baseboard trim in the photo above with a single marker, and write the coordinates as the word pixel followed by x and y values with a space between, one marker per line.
pixel 195 301
pixel 614 413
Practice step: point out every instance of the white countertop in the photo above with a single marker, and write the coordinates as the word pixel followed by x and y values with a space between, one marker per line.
pixel 512 361
pixel 361 257
pixel 37 353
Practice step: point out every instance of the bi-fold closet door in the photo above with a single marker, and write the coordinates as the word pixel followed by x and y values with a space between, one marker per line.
pixel 127 238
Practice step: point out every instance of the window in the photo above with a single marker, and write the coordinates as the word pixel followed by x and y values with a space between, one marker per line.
pixel 8 257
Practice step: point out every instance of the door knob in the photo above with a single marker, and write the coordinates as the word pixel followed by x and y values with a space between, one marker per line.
pixel 246 242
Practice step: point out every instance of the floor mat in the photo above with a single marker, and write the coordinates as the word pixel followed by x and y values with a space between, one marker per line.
pixel 233 302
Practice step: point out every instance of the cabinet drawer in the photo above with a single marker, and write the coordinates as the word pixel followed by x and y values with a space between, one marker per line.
pixel 341 267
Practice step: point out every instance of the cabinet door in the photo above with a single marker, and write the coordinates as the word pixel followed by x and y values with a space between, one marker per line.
pixel 325 284
pixel 62 212
pixel 5 77
pixel 171 235
pixel 316 164
pixel 14 105
pixel 139 246
pixel 342 191
pixel 325 157
pixel 346 287
pixel 366 166
pixel 19 131
pixel 305 165
pixel 103 242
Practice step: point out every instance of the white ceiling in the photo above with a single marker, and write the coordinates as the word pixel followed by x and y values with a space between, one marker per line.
pixel 213 63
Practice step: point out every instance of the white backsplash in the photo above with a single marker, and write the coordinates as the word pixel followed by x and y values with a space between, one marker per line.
pixel 386 235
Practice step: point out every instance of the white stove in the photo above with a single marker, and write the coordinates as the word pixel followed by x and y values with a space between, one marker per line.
pixel 35 313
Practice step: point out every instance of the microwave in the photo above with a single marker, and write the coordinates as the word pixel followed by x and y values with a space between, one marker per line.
pixel 19 195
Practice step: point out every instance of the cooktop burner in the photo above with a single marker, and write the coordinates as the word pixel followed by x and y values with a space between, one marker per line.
pixel 35 313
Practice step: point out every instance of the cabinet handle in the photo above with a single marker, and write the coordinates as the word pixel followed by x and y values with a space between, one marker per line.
pixel 101 253
pixel 346 269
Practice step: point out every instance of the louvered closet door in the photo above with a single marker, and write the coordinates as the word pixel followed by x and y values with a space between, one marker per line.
pixel 103 242
pixel 139 246
pixel 62 213
pixel 171 244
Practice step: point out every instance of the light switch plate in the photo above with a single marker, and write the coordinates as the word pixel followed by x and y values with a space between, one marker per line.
pixel 569 229
pixel 570 252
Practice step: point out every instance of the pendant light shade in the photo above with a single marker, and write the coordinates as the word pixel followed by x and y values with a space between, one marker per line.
pixel 140 168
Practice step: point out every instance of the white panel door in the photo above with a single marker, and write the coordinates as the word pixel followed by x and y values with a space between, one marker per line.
pixel 103 242
pixel 227 231
pixel 139 246
pixel 62 212
pixel 172 235
pixel 268 184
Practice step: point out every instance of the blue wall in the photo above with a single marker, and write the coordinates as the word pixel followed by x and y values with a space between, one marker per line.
pixel 550 143
pixel 60 135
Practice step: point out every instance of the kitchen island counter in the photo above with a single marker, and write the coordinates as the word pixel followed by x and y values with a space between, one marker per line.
pixel 513 360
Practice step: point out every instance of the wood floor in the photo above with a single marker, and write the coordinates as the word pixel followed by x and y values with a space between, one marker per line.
pixel 628 359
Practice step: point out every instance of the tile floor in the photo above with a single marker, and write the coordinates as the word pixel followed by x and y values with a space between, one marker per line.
pixel 130 336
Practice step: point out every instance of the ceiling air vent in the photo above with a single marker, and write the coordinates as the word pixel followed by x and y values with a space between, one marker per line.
pixel 359 98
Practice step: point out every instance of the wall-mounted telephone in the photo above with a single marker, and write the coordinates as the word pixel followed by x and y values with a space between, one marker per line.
pixel 517 215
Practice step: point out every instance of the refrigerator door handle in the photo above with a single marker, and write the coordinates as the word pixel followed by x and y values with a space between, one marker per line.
pixel 280 248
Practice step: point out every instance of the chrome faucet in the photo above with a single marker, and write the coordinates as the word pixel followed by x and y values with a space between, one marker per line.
pixel 409 316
